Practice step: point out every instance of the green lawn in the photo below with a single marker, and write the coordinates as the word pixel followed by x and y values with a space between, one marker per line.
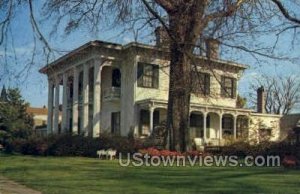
pixel 86 175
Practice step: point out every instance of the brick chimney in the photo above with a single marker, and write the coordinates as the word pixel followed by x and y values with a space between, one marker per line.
pixel 261 100
pixel 162 37
pixel 212 48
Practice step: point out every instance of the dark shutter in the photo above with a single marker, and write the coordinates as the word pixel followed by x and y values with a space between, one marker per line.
pixel 140 72
pixel 115 123
pixel 207 84
pixel 234 88
pixel 223 91
pixel 155 77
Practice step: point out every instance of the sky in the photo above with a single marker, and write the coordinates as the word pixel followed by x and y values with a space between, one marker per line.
pixel 34 85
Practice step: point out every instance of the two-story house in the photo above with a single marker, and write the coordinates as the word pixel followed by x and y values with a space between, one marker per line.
pixel 108 87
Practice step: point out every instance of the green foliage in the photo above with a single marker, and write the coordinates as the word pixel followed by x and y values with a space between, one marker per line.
pixel 241 102
pixel 265 148
pixel 15 122
pixel 69 145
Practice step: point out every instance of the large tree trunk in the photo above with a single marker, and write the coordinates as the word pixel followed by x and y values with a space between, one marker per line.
pixel 179 87
pixel 179 101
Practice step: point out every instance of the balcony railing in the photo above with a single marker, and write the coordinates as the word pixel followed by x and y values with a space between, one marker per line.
pixel 111 93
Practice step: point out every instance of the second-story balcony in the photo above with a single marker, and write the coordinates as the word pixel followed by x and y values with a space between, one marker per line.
pixel 111 93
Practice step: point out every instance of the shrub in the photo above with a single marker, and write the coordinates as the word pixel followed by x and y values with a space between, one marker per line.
pixel 69 145
pixel 289 161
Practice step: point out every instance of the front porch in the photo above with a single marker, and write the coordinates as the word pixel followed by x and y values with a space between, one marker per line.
pixel 209 125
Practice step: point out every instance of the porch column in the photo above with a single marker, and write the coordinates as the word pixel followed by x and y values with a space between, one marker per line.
pixel 50 107
pixel 204 127
pixel 221 127
pixel 85 96
pixel 234 126
pixel 56 108
pixel 65 103
pixel 97 99
pixel 151 110
pixel 75 101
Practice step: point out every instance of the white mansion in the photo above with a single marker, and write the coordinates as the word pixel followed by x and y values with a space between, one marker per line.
pixel 107 87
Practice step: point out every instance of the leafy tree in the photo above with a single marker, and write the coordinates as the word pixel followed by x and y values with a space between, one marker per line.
pixel 15 122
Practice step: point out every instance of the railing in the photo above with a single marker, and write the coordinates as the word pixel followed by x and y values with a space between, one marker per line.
pixel 111 93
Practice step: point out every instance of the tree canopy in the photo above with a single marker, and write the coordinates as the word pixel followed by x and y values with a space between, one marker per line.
pixel 15 122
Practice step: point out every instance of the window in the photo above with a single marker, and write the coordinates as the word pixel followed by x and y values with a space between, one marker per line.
pixel 156 116
pixel 227 125
pixel 115 123
pixel 144 128
pixel 201 83
pixel 147 75
pixel 116 78
pixel 265 134
pixel 228 87
pixel 242 127
pixel 196 125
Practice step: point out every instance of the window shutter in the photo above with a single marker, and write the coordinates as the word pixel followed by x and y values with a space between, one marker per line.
pixel 223 92
pixel 140 72
pixel 234 88
pixel 155 78
pixel 207 84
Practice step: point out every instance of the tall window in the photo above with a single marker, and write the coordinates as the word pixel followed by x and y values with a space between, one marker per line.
pixel 196 125
pixel 201 83
pixel 115 123
pixel 147 75
pixel 227 125
pixel 116 78
pixel 144 128
pixel 228 87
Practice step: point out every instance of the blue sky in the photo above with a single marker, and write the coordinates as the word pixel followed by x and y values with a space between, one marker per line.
pixel 34 85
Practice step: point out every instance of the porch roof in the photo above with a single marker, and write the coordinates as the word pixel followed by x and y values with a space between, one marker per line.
pixel 204 108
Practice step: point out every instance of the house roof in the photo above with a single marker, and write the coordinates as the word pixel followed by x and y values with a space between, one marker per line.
pixel 37 111
pixel 115 46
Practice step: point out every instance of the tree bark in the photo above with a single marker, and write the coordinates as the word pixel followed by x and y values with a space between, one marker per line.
pixel 179 87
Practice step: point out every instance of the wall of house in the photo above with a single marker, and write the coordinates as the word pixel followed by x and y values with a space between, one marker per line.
pixel 106 78
pixel 106 109
pixel 258 121
pixel 215 90
pixel 161 93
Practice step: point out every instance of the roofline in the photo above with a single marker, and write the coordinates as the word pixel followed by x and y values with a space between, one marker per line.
pixel 97 43
pixel 147 46
pixel 77 50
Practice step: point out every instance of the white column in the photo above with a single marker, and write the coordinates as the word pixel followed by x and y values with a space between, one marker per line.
pixel 151 110
pixel 85 96
pixel 204 127
pixel 50 107
pixel 65 103
pixel 234 126
pixel 221 127
pixel 75 102
pixel 97 99
pixel 56 108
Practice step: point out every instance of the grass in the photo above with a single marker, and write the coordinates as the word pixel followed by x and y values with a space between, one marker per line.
pixel 86 175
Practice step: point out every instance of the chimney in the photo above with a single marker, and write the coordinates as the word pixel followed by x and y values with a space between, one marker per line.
pixel 212 48
pixel 162 37
pixel 261 100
